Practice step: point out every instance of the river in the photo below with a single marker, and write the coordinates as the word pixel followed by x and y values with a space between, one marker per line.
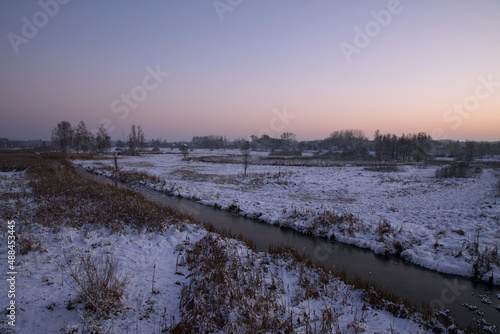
pixel 405 279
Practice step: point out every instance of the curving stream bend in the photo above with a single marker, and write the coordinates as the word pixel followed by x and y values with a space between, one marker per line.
pixel 406 280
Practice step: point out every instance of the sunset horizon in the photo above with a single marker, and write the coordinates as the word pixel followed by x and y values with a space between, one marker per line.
pixel 184 70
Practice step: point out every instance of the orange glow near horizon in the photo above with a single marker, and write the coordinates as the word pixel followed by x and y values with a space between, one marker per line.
pixel 229 77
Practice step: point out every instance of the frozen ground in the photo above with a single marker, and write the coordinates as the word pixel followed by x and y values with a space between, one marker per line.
pixel 448 225
pixel 46 301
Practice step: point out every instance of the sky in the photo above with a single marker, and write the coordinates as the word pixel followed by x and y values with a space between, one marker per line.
pixel 238 67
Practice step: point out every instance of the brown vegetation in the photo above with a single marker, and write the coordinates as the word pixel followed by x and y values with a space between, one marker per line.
pixel 100 283
pixel 62 197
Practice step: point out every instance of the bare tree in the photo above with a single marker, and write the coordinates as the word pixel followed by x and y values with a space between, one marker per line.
pixel 288 142
pixel 83 138
pixel 423 145
pixel 103 140
pixel 245 152
pixel 132 141
pixel 135 139
pixel 346 139
pixel 62 136
pixel 469 151
pixel 185 151
pixel 140 138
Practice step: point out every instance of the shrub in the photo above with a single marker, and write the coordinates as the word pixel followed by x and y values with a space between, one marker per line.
pixel 384 228
pixel 99 283
pixel 228 293
pixel 385 168
pixel 458 169
pixel 234 208
pixel 484 262
pixel 28 243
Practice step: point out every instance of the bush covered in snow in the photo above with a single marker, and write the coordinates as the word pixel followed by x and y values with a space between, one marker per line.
pixel 459 169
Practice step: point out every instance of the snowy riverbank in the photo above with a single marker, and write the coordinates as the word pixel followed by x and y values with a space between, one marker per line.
pixel 448 225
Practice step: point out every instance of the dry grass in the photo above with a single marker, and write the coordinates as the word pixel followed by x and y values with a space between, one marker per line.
pixel 384 228
pixel 484 261
pixel 322 223
pixel 100 283
pixel 483 258
pixel 16 161
pixel 228 294
pixel 242 292
pixel 62 197
pixel 373 293
pixel 387 234
pixel 27 242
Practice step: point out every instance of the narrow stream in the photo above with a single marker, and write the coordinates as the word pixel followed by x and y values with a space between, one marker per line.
pixel 406 280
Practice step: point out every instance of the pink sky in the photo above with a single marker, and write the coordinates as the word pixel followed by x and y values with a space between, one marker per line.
pixel 227 76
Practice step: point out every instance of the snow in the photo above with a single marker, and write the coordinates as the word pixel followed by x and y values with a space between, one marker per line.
pixel 47 301
pixel 44 288
pixel 433 222
pixel 13 182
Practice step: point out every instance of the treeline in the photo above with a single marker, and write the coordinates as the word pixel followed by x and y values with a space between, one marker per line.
pixel 353 145
pixel 411 147
pixel 286 145
pixel 350 144
pixel 66 138
pixel 210 142
pixel 29 144
pixel 465 151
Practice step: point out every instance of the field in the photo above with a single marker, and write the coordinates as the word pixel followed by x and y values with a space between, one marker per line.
pixel 92 258
pixel 450 225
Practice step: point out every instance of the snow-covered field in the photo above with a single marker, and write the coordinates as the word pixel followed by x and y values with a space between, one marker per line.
pixel 448 225
pixel 155 267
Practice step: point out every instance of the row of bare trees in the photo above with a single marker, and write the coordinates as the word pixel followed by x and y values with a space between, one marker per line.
pixel 404 148
pixel 67 138
pixel 211 142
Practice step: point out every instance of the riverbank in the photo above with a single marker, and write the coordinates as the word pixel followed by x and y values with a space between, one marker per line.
pixel 447 225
